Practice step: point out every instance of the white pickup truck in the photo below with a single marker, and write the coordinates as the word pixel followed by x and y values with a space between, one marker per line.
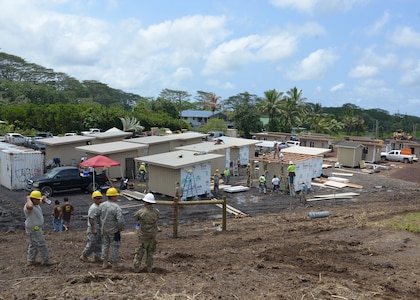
pixel 396 155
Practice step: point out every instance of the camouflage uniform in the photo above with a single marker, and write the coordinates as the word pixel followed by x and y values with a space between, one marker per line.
pixel 33 228
pixel 148 217
pixel 112 222
pixel 94 242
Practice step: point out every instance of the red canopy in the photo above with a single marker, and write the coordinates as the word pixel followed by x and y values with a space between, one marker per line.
pixel 99 161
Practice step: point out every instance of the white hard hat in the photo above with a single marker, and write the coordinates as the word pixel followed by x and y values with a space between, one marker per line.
pixel 149 198
pixel 290 162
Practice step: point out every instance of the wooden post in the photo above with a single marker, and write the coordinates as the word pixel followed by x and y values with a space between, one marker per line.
pixel 224 214
pixel 175 226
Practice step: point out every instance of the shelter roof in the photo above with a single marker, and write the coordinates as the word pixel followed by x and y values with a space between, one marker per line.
pixel 345 144
pixel 62 140
pixel 178 159
pixel 306 150
pixel 112 147
pixel 228 142
pixel 109 134
pixel 157 139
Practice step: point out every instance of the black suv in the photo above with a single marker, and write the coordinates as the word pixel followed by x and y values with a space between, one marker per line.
pixel 65 178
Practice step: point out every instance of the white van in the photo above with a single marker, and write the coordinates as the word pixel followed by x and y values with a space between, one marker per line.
pixel 292 143
pixel 215 134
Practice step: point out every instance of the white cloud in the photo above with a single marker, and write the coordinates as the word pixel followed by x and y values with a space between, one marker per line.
pixel 406 36
pixel 314 66
pixel 363 71
pixel 221 85
pixel 232 55
pixel 379 24
pixel 412 77
pixel 337 87
pixel 310 6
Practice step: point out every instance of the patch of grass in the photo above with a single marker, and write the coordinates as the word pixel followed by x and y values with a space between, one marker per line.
pixel 409 222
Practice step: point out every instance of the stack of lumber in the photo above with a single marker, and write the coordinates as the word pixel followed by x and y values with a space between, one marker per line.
pixel 335 182
pixel 333 196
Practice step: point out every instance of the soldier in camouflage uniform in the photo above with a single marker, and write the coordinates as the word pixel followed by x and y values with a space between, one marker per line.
pixel 112 223
pixel 148 217
pixel 94 242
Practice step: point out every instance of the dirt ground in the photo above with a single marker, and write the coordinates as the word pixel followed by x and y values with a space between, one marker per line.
pixel 275 253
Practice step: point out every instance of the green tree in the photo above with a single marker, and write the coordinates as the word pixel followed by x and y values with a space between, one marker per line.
pixel 271 105
pixel 292 107
pixel 176 96
pixel 245 115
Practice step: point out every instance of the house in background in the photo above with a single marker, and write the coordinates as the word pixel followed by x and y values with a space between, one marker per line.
pixel 199 118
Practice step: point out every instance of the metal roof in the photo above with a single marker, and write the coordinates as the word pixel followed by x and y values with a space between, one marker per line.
pixel 198 113
pixel 112 147
pixel 228 142
pixel 62 140
pixel 157 139
pixel 178 159
pixel 344 144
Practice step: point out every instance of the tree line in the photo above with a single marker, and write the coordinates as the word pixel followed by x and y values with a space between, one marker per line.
pixel 34 98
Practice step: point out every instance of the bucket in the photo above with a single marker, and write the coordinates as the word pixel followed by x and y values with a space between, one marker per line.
pixel 318 214
pixel 85 173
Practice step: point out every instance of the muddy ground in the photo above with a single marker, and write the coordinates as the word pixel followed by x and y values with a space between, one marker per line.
pixel 275 253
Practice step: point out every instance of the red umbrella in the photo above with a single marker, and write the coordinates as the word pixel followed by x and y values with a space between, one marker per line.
pixel 99 161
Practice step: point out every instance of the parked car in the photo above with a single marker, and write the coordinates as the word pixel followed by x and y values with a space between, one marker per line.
pixel 293 143
pixel 44 135
pixel 14 138
pixel 65 178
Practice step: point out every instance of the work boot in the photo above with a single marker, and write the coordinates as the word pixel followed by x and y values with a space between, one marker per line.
pixel 30 263
pixel 116 266
pixel 105 264
pixel 47 263
pixel 84 258
pixel 97 260
pixel 149 269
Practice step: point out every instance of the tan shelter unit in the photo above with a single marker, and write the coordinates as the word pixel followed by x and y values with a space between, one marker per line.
pixel 232 149
pixel 191 169
pixel 166 143
pixel 122 152
pixel 349 154
pixel 63 148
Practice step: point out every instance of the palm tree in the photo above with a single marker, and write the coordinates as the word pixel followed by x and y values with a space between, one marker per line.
pixel 292 109
pixel 210 101
pixel 131 125
pixel 270 105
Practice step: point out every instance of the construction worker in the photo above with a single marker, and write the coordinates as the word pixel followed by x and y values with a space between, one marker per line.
pixel 94 237
pixel 291 170
pixel 227 175
pixel 111 222
pixel 263 184
pixel 248 174
pixel 33 228
pixel 142 172
pixel 148 217
pixel 265 166
pixel 276 150
pixel 216 179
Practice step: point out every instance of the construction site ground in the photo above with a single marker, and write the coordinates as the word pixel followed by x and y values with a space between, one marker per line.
pixel 276 252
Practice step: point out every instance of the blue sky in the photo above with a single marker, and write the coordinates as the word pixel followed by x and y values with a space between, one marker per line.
pixel 364 52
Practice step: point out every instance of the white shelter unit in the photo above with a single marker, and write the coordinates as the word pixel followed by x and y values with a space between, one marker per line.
pixel 232 149
pixel 19 164
pixel 166 143
pixel 306 150
pixel 190 169
pixel 63 148
pixel 121 151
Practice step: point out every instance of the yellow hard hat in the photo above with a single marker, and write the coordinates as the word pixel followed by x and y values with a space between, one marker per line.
pixel 217 170
pixel 96 194
pixel 263 154
pixel 249 164
pixel 112 192
pixel 36 195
